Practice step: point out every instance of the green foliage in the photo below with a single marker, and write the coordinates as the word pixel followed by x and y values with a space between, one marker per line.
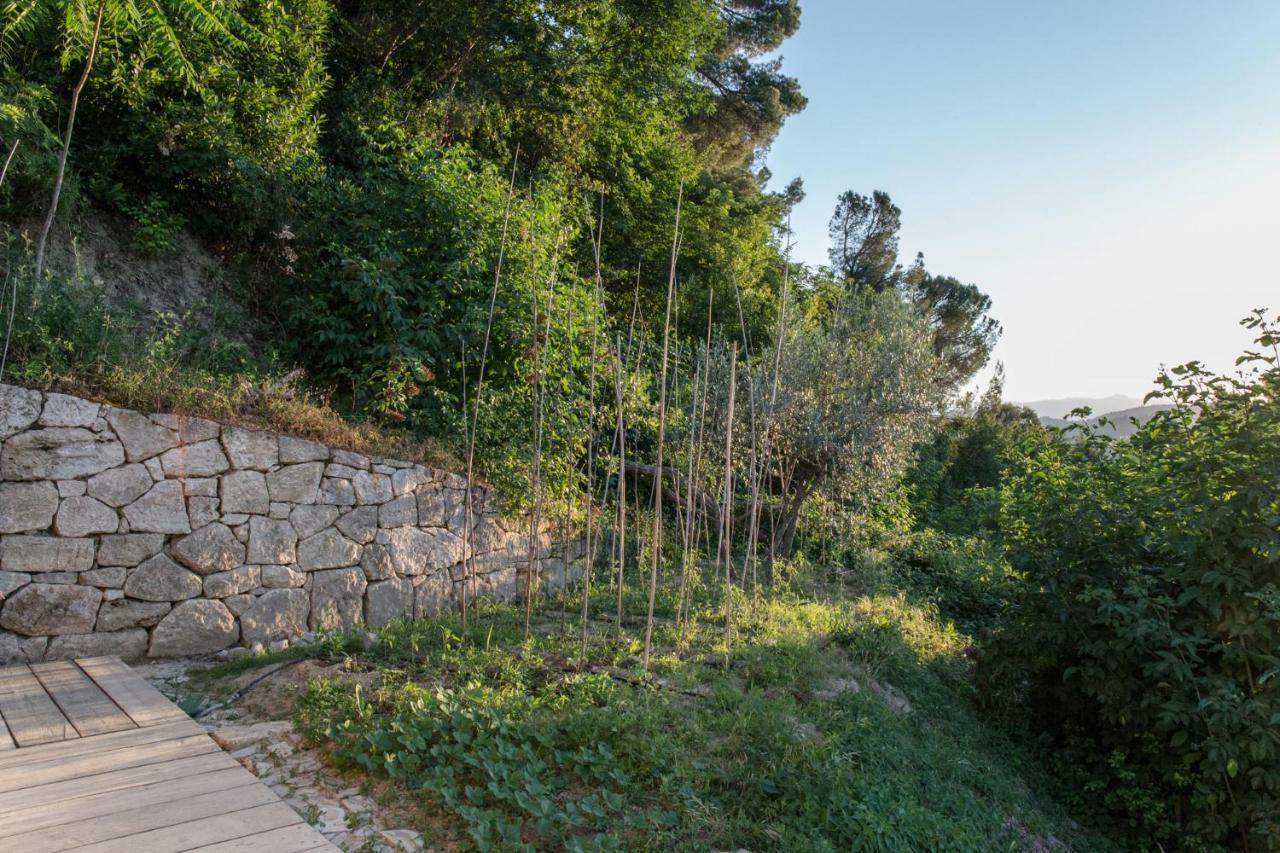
pixel 511 745
pixel 1144 638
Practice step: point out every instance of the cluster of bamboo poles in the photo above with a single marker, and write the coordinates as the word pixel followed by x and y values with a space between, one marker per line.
pixel 700 519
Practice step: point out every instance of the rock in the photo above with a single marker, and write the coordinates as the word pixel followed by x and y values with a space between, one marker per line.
pixel 360 524
pixel 188 429
pixel 126 645
pixel 72 488
pixel 278 645
pixel 160 510
pixel 344 472
pixel 45 554
pixel 11 582
pixel 238 604
pixel 272 541
pixel 108 578
pixel 27 506
pixel 299 484
pixel 120 486
pixel 58 453
pixel 128 549
pixel 40 609
pixel 277 614
pixel 154 468
pixel 245 491
pixel 196 627
pixel 388 601
pixel 234 582
pixel 15 649
pixel 372 488
pixel 337 599
pixel 19 408
pixel 398 513
pixel 203 487
pixel 446 508
pixel 433 597
pixel 84 516
pixel 61 410
pixel 310 520
pixel 337 492
pixel 235 737
pixel 202 459
pixel 213 548
pixel 294 450
pixel 328 549
pixel 282 577
pixel 376 563
pixel 125 613
pixel 112 594
pixel 403 840
pixel 406 481
pixel 161 579
pixel 414 551
pixel 279 510
pixel 351 459
pixel 250 449
pixel 142 437
pixel 202 511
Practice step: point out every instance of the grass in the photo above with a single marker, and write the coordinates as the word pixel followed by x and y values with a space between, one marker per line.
pixel 505 744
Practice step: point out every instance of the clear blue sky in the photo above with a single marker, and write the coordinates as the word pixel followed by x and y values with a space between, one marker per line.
pixel 1109 172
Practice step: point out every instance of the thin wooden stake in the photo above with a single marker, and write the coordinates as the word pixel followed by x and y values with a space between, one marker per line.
pixel 727 512
pixel 656 544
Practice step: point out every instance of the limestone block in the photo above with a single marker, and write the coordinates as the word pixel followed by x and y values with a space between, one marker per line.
pixel 20 553
pixel 388 601
pixel 58 453
pixel 294 450
pixel 310 520
pixel 61 410
pixel 277 614
pixel 245 491
pixel 126 613
pixel 84 516
pixel 27 506
pixel 161 579
pixel 272 541
pixel 196 627
pixel 202 459
pixel 360 524
pixel 128 549
pixel 120 486
pixel 127 645
pixel 142 437
pixel 212 548
pixel 41 609
pixel 337 599
pixel 328 549
pixel 19 408
pixel 251 449
pixel 160 510
pixel 299 484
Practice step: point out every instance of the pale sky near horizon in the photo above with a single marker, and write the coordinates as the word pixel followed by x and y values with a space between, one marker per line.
pixel 1109 172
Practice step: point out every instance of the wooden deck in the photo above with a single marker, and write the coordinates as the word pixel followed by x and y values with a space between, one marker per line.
pixel 93 758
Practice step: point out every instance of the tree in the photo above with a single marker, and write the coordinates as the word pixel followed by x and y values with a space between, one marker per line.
pixel 864 241
pixel 963 333
pixel 856 387
pixel 122 24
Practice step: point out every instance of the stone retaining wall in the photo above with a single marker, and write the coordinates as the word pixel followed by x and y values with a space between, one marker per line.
pixel 162 535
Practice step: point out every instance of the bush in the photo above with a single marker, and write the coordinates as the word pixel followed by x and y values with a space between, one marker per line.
pixel 1145 639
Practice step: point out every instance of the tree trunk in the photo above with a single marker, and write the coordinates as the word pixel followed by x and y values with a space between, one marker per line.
pixel 66 145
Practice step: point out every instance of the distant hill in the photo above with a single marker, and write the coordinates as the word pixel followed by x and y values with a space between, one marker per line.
pixel 1122 421
pixel 1061 407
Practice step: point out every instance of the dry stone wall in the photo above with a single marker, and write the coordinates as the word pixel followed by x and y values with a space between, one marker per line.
pixel 165 536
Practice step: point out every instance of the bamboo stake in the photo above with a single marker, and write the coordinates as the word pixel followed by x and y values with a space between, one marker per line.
pixel 539 394
pixel 656 544
pixel 591 432
pixel 468 533
pixel 727 513
pixel 621 535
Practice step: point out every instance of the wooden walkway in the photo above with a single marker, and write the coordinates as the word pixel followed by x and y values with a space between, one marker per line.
pixel 93 758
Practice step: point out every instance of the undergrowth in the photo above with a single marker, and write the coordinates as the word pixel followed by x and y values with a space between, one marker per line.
pixel 831 725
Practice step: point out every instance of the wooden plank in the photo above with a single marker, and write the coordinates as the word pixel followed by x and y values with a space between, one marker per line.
pixel 131 820
pixel 33 755
pixel 30 714
pixel 119 780
pixel 95 805
pixel 82 702
pixel 48 772
pixel 298 838
pixel 195 834
pixel 144 704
